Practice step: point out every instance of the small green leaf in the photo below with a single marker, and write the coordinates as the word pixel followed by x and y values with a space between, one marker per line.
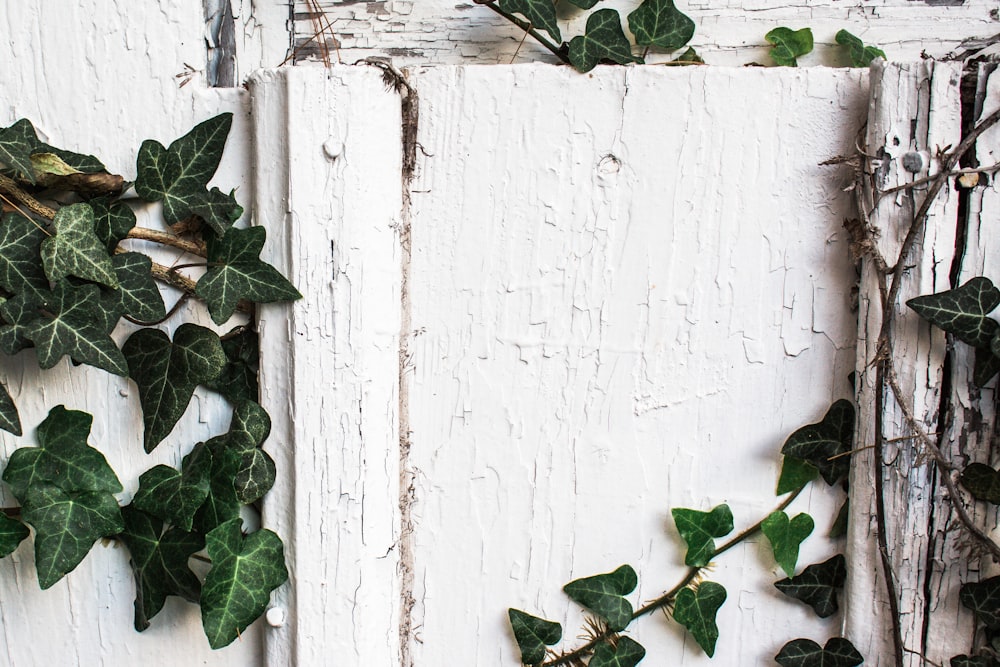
pixel 789 44
pixel 159 563
pixel 12 533
pixel 795 473
pixel 20 269
pixel 249 426
pixel 174 495
pixel 838 652
pixel 19 313
pixel 962 311
pixel 10 421
pixel 659 23
pixel 237 272
pixel 167 373
pixel 966 661
pixel 626 652
pixel 604 39
pixel 533 634
pixel 817 585
pixel 839 527
pixel 696 610
pixel 698 530
pixel 75 250
pixel 983 598
pixel 137 294
pixel 222 503
pixel 602 594
pixel 16 144
pixel 540 14
pixel 826 444
pixel 983 482
pixel 255 476
pixel 689 57
pixel 785 536
pixel 244 572
pixel 859 54
pixel 238 379
pixel 112 221
pixel 987 363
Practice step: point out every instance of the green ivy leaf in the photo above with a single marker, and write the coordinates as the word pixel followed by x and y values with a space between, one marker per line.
pixel 986 365
pixel 62 459
pixel 983 598
pixel 540 14
pixel 244 572
pixel 962 311
pixel 602 594
pixel 659 23
pixel 137 294
pixel 18 313
pixel 838 652
pixel 533 634
pixel 238 379
pixel 698 530
pixel 785 536
pixel 237 272
pixel 167 373
pixel 604 39
pixel 159 563
pixel 75 250
pixel 50 163
pixel 112 221
pixel 983 482
pixel 175 495
pixel 12 533
pixel 626 652
pixel 255 476
pixel 696 610
pixel 16 144
pixel 689 57
pixel 859 54
pixel 966 661
pixel 20 270
pixel 818 443
pixel 178 175
pixel 817 585
pixel 789 44
pixel 839 527
pixel 66 527
pixel 222 503
pixel 249 427
pixel 10 421
pixel 795 473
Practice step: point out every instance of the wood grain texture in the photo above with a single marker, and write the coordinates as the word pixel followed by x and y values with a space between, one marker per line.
pixel 729 32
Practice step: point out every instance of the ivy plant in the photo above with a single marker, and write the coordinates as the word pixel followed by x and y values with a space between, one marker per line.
pixel 71 274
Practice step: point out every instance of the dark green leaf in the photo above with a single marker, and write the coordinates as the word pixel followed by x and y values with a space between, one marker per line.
pixel 238 379
pixel 175 495
pixel 839 527
pixel 238 273
pixel 698 530
pixel 112 221
pixel 983 482
pixel 604 39
pixel 859 54
pixel 167 373
pixel 817 585
pixel 838 652
pixel 19 313
pixel 533 634
pixel 75 250
pixel 966 661
pixel 9 419
pixel 826 444
pixel 785 536
pixel 540 14
pixel 222 503
pixel 987 364
pixel 689 57
pixel 789 44
pixel 16 143
pixel 625 653
pixel 584 4
pixel 12 533
pixel 244 572
pixel 962 311
pixel 983 598
pixel 20 267
pixel 696 610
pixel 602 594
pixel 137 294
pixel 795 473
pixel 159 563
pixel 66 527
pixel 178 175
pixel 659 23
pixel 255 476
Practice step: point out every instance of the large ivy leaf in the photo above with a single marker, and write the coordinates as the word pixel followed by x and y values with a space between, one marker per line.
pixel 859 54
pixel 112 221
pixel 817 585
pixel 238 379
pixel 66 527
pixel 698 530
pixel 222 504
pixel 62 459
pixel 540 14
pixel 12 533
pixel 659 23
pixel 159 563
pixel 983 598
pixel 795 473
pixel 175 495
pixel 789 45
pixel 137 294
pixel 696 610
pixel 178 175
pixel 167 373
pixel 244 572
pixel 785 536
pixel 818 443
pixel 16 144
pixel 838 652
pixel 983 482
pixel 71 323
pixel 625 652
pixel 237 272
pixel 962 311
pixel 533 634
pixel 604 39
pixel 602 594
pixel 20 269
pixel 75 250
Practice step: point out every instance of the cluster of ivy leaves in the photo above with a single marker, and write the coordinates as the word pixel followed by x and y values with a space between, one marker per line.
pixel 66 283
pixel 815 450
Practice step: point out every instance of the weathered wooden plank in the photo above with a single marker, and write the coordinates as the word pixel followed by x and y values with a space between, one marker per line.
pixel 626 291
